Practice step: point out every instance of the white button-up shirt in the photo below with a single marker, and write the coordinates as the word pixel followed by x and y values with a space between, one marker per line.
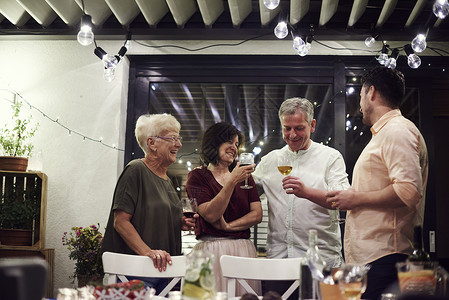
pixel 290 218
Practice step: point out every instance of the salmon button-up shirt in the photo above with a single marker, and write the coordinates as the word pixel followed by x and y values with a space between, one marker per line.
pixel 396 155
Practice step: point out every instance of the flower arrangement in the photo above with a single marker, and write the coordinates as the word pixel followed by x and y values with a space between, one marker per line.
pixel 84 244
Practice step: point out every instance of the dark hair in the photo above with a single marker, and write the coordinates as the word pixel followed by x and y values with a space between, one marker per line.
pixel 214 137
pixel 271 295
pixel 249 296
pixel 390 83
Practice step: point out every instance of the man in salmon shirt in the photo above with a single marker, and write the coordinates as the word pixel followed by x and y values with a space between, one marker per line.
pixel 389 182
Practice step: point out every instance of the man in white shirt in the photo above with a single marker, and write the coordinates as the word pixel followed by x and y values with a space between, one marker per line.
pixel 297 203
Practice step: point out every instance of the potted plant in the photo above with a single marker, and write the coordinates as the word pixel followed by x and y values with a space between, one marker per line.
pixel 19 215
pixel 15 141
pixel 84 244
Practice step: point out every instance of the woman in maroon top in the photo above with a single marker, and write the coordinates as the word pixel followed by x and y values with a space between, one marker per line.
pixel 226 211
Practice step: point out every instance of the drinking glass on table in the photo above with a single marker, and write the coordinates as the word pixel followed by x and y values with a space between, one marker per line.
pixel 246 159
pixel 337 187
pixel 352 280
pixel 189 208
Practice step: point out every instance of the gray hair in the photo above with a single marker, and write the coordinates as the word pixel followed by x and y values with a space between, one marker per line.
pixel 153 125
pixel 295 105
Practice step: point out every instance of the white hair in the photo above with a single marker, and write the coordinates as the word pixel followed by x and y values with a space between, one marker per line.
pixel 153 125
pixel 294 105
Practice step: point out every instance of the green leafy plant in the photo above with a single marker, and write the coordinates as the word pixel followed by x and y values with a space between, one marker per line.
pixel 18 208
pixel 84 244
pixel 16 141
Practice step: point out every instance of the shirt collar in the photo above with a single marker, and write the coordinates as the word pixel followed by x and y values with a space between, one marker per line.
pixel 300 152
pixel 384 120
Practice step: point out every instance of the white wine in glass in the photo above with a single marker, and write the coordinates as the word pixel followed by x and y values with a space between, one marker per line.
pixel 352 280
pixel 284 165
pixel 246 159
pixel 337 187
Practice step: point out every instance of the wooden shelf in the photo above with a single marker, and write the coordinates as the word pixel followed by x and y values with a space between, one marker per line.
pixel 26 182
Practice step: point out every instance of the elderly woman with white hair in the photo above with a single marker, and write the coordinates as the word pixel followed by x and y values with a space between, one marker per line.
pixel 146 215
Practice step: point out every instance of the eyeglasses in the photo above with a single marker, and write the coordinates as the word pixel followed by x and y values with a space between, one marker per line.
pixel 172 139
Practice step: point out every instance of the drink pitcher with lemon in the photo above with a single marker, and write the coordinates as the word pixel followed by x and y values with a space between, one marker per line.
pixel 199 281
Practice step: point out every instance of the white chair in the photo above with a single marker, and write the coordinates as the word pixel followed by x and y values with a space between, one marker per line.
pixel 240 269
pixel 117 265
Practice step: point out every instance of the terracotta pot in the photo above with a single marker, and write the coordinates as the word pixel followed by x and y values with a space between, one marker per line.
pixel 16 237
pixel 13 163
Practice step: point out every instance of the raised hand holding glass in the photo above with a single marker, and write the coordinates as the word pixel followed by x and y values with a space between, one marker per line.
pixel 246 159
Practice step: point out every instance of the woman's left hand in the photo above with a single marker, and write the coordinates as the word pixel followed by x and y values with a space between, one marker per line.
pixel 189 223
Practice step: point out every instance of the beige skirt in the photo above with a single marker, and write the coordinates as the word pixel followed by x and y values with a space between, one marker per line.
pixel 235 247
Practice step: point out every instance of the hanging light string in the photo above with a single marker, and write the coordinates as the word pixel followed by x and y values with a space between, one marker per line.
pixel 440 10
pixel 57 121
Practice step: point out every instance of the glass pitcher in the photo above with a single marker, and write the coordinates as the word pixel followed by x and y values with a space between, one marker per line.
pixel 199 281
pixel 422 277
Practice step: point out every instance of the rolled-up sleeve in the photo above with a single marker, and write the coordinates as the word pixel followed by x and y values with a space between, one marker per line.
pixel 401 157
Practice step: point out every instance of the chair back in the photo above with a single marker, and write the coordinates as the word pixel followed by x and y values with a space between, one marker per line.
pixel 118 265
pixel 240 269
pixel 23 278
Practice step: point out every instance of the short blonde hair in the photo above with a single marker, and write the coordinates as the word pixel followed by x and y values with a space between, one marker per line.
pixel 153 125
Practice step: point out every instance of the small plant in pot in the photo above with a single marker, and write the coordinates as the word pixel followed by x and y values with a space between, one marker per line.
pixel 15 142
pixel 19 215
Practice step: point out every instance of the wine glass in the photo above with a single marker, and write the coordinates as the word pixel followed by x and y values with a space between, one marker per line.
pixel 352 280
pixel 189 208
pixel 284 165
pixel 246 159
pixel 337 187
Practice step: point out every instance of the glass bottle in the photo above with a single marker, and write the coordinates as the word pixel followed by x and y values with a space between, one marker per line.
pixel 419 254
pixel 315 263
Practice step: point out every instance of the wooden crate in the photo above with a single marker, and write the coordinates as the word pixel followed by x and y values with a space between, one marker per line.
pixel 27 182
pixel 47 254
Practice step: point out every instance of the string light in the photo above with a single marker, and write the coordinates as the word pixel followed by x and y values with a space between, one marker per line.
pixel 85 36
pixel 69 130
pixel 271 4
pixel 441 9
pixel 281 30
pixel 413 60
pixel 391 62
pixel 419 43
pixel 383 55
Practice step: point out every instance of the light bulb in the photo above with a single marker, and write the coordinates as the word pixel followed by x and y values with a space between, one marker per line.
pixel 271 4
pixel 109 74
pixel 441 9
pixel 110 61
pixel 85 36
pixel 369 41
pixel 391 63
pixel 298 43
pixel 303 51
pixel 414 61
pixel 419 43
pixel 281 30
pixel 382 58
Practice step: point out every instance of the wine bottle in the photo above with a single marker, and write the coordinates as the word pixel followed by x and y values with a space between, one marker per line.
pixel 419 254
